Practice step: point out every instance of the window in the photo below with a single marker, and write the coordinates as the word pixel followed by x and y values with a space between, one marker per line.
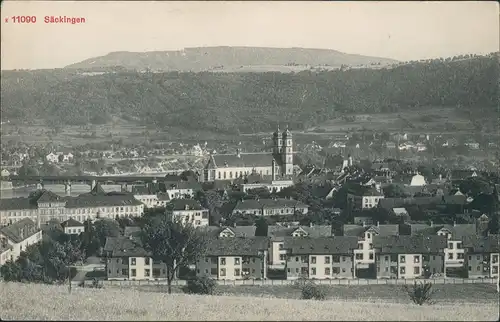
pixel 213 271
pixel 494 259
pixel 478 257
pixel 416 259
pixel 359 256
pixel 288 270
pixel 478 268
pixel 460 256
pixel 402 259
pixel 313 259
pixel 236 261
pixel 336 258
pixel 416 270
pixel 124 271
pixel 343 258
pixel 433 258
pixel 336 270
pixel 327 270
pixel 370 246
pixel 327 259
pixel 156 272
pixel 343 270
pixel 222 272
pixel 147 272
pixel 370 255
pixel 146 261
pixel 132 261
pixel 402 270
pixel 450 255
pixel 368 235
pixel 133 272
pixel 313 270
pixel 459 245
pixel 386 269
pixel 494 270
pixel 236 272
pixel 223 261
pixel 386 258
pixel 282 257
pixel 280 246
pixel 450 245
pixel 470 268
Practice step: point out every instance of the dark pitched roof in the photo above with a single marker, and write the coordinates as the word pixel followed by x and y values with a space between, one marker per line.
pixel 238 246
pixel 359 190
pixel 125 247
pixel 107 200
pixel 19 231
pixel 71 223
pixel 185 204
pixel 97 190
pixel 268 203
pixel 458 231
pixel 380 230
pixel 482 244
pixel 245 160
pixel 17 204
pixel 321 245
pixel 48 196
pixel 277 232
pixel 241 231
pixel 143 190
pixel 389 203
pixel 409 244
pixel 182 185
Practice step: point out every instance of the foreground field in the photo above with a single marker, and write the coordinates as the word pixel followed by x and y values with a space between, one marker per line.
pixel 448 293
pixel 42 302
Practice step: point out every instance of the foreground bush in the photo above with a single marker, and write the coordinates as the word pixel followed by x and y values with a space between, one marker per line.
pixel 420 293
pixel 309 290
pixel 200 285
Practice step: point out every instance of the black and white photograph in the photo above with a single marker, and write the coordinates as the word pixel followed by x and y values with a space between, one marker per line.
pixel 250 160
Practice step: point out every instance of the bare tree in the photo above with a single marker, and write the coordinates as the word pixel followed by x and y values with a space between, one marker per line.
pixel 175 243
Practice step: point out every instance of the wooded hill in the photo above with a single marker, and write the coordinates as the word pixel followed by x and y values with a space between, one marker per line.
pixel 247 102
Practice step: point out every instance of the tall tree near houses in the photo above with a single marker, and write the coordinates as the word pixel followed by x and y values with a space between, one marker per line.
pixel 174 243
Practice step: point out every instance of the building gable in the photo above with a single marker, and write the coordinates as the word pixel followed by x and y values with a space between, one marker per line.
pixel 299 232
pixel 227 232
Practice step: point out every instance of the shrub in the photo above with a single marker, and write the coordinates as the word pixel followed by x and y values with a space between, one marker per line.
pixel 310 291
pixel 420 293
pixel 200 285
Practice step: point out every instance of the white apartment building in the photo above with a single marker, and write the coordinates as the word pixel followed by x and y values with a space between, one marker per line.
pixel 72 227
pixel 17 237
pixel 188 211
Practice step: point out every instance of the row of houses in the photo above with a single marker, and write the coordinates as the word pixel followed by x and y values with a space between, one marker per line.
pixel 323 252
pixel 15 238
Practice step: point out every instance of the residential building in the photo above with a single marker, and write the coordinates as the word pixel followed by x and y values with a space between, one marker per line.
pixel 269 207
pixel 364 252
pixel 320 258
pixel 45 205
pixel 52 157
pixel 364 197
pixel 18 237
pixel 5 254
pixel 181 189
pixel 255 181
pixel 72 227
pixel 454 252
pixel 278 234
pixel 126 259
pixel 233 166
pixel 482 256
pixel 235 258
pixel 403 256
pixel 150 196
pixel 188 211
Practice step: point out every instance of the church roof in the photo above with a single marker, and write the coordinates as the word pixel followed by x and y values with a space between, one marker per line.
pixel 244 160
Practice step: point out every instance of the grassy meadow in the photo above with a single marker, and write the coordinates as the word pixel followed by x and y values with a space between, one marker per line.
pixel 44 302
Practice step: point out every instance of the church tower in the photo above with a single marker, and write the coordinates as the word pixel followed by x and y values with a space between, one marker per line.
pixel 277 142
pixel 287 153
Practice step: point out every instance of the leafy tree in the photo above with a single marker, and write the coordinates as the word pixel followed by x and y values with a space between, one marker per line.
pixel 475 186
pixel 394 191
pixel 212 201
pixel 174 243
pixel 261 227
pixel 27 170
pixel 420 293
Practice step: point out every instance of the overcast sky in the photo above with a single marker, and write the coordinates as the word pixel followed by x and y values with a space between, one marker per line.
pixel 399 30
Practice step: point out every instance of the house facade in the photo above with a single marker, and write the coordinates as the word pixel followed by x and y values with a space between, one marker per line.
pixel 320 258
pixel 188 211
pixel 126 259
pixel 73 227
pixel 364 198
pixel 482 256
pixel 269 207
pixel 15 238
pixel 235 258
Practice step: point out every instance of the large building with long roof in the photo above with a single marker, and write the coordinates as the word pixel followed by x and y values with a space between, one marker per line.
pixel 277 164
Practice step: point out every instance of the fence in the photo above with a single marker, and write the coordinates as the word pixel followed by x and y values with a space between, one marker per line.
pixel 349 282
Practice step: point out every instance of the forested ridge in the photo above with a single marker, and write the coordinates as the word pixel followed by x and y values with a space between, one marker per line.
pixel 247 102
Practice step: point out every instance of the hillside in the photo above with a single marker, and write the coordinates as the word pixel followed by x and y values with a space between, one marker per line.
pixel 42 302
pixel 248 102
pixel 216 58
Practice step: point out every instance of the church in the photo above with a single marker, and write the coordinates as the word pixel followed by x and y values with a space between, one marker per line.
pixel 276 164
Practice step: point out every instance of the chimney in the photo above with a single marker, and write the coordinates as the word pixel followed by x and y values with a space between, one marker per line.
pixel 364 223
pixel 234 225
pixel 238 153
pixel 273 170
pixel 378 224
pixel 432 224
pixel 350 160
pixel 310 224
pixel 454 223
pixel 440 177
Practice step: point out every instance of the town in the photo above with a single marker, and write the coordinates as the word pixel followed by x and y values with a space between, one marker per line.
pixel 267 218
